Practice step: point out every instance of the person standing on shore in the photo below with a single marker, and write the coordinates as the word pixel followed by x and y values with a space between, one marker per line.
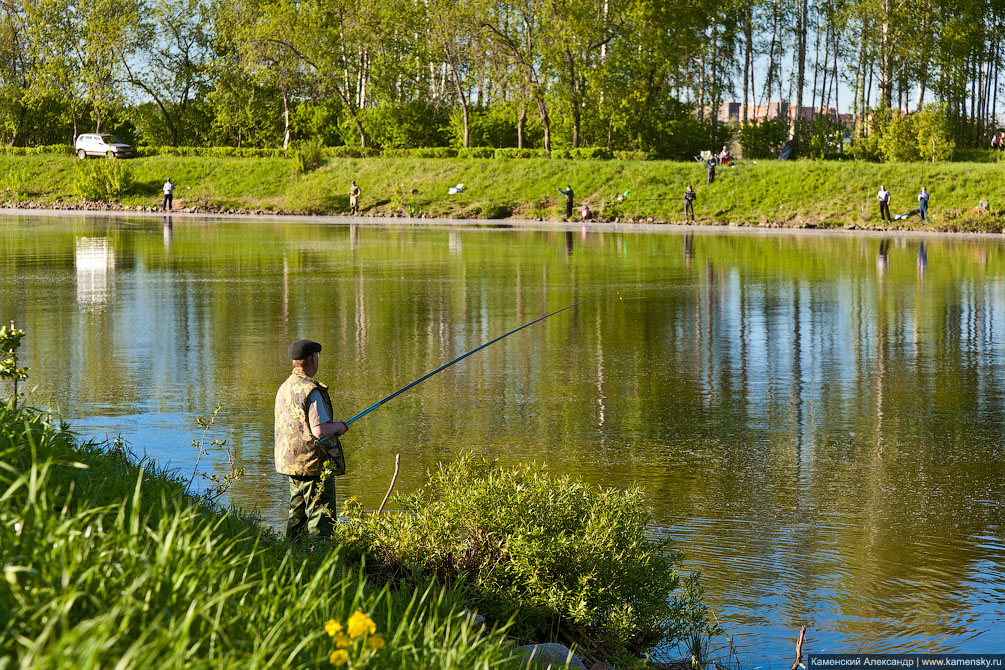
pixel 354 194
pixel 568 200
pixel 303 418
pixel 689 197
pixel 923 205
pixel 711 171
pixel 884 203
pixel 168 195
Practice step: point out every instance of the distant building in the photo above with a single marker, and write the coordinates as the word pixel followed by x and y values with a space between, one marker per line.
pixel 733 111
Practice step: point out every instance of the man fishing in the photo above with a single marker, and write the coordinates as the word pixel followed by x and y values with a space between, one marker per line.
pixel 303 417
pixel 568 200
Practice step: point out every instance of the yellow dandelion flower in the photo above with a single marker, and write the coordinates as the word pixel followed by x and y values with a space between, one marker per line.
pixel 339 657
pixel 360 624
pixel 342 640
pixel 375 642
pixel 333 627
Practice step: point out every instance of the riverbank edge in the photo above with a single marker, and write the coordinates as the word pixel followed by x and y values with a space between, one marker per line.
pixel 145 493
pixel 524 224
pixel 761 194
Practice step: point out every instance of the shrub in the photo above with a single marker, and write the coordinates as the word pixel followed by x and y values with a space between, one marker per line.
pixel 633 156
pixel 399 126
pixel 512 152
pixel 934 134
pixel 421 152
pixel 308 156
pixel 434 152
pixel 36 150
pixel 476 152
pixel 592 153
pixel 14 187
pixel 354 152
pixel 548 551
pixel 217 152
pixel 823 137
pixel 494 126
pixel 101 179
pixel 765 139
pixel 898 139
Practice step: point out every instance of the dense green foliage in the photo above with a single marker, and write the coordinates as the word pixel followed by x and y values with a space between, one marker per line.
pixel 549 552
pixel 893 137
pixel 101 180
pixel 110 563
pixel 626 75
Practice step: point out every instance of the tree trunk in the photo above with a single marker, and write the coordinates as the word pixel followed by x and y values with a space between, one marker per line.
pixel 859 106
pixel 520 120
pixel 885 59
pixel 997 63
pixel 542 110
pixel 816 64
pixel 286 119
pixel 800 67
pixel 748 38
pixel 459 87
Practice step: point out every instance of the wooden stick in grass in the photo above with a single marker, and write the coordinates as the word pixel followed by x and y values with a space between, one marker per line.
pixel 394 477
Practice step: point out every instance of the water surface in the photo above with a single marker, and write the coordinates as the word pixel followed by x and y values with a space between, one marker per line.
pixel 816 418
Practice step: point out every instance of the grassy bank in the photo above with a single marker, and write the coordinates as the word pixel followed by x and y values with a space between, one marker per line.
pixel 110 564
pixel 820 193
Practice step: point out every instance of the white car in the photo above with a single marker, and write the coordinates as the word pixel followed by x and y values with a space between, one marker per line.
pixel 102 144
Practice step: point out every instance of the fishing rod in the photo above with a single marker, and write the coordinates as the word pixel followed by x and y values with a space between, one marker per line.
pixel 459 358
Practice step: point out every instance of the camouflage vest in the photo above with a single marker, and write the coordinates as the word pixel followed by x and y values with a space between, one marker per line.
pixel 297 450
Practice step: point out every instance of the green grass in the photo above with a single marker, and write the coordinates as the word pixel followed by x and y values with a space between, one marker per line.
pixel 821 193
pixel 110 564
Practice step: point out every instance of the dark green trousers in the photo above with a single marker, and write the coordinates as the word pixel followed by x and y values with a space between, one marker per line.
pixel 312 508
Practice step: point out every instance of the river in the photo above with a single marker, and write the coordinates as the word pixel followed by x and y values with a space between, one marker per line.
pixel 817 418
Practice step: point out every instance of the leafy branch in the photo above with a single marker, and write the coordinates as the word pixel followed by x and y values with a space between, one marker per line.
pixel 220 484
pixel 10 340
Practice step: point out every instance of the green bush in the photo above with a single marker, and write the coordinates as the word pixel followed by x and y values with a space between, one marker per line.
pixel 101 180
pixel 584 153
pixel 434 152
pixel 36 150
pixel 354 152
pixel 308 156
pixel 548 551
pixel 512 152
pixel 399 126
pixel 633 156
pixel 592 153
pixel 823 137
pixel 494 126
pixel 765 139
pixel 934 134
pixel 217 152
pixel 898 140
pixel 421 152
pixel 476 152
pixel 14 187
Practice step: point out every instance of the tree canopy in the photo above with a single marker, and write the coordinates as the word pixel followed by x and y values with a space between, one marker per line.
pixel 642 75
